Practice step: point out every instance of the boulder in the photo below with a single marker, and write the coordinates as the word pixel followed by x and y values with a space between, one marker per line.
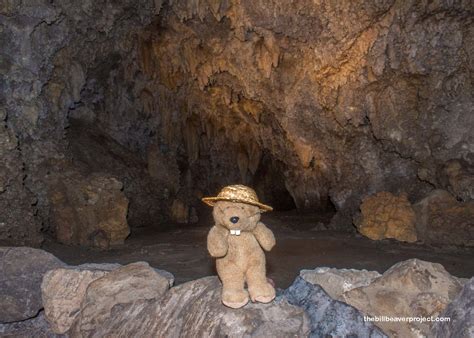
pixel 194 309
pixel 412 288
pixel 461 314
pixel 337 281
pixel 329 317
pixel 63 291
pixel 441 219
pixel 88 210
pixel 21 272
pixel 128 284
pixel 385 215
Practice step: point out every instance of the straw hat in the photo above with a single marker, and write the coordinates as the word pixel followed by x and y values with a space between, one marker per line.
pixel 237 193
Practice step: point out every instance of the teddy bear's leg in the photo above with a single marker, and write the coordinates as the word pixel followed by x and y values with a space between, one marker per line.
pixel 259 288
pixel 233 293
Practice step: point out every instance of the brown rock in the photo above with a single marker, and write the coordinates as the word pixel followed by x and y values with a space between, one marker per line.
pixel 63 291
pixel 441 219
pixel 387 216
pixel 194 309
pixel 128 284
pixel 89 211
pixel 412 288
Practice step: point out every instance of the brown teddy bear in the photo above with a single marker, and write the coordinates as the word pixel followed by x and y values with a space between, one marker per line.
pixel 236 240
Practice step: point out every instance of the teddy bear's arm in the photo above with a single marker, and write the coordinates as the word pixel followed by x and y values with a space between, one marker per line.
pixel 264 236
pixel 217 242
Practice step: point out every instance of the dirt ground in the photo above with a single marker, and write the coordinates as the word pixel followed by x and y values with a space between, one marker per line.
pixel 181 250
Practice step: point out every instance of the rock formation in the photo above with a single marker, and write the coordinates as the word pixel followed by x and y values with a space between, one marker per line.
pixel 136 300
pixel 338 281
pixel 461 314
pixel 442 220
pixel 411 288
pixel 313 103
pixel 88 211
pixel 21 271
pixel 387 216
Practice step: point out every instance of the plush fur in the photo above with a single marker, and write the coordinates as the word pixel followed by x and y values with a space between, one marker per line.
pixel 240 258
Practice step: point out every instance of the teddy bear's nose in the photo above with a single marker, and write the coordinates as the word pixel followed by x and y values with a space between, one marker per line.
pixel 234 219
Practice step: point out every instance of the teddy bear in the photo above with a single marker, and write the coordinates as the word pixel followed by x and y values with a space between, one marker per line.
pixel 236 241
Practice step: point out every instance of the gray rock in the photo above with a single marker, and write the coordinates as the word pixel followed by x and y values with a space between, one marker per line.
pixel 194 309
pixel 22 270
pixel 329 317
pixel 411 288
pixel 37 327
pixel 337 281
pixel 461 314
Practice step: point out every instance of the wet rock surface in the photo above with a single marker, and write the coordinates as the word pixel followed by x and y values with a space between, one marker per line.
pixel 461 314
pixel 21 272
pixel 412 288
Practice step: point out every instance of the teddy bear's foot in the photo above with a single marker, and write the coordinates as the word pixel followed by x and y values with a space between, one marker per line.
pixel 235 298
pixel 263 293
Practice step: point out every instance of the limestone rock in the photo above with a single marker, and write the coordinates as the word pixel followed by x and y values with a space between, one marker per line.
pixel 89 211
pixel 412 288
pixel 329 317
pixel 128 284
pixel 387 216
pixel 194 309
pixel 63 291
pixel 441 219
pixel 21 271
pixel 337 281
pixel 461 313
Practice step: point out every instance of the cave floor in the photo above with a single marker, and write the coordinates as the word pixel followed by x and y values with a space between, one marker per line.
pixel 181 250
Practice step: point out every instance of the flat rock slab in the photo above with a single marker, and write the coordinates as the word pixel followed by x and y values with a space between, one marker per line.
pixel 21 272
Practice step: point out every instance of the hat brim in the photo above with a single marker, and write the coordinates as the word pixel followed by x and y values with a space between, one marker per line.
pixel 211 201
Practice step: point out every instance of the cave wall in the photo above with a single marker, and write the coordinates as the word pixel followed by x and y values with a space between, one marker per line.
pixel 341 99
pixel 54 55
pixel 314 103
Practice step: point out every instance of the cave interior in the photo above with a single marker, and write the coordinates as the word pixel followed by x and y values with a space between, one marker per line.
pixel 352 119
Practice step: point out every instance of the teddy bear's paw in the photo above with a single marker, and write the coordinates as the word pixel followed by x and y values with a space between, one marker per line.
pixel 235 299
pixel 264 293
